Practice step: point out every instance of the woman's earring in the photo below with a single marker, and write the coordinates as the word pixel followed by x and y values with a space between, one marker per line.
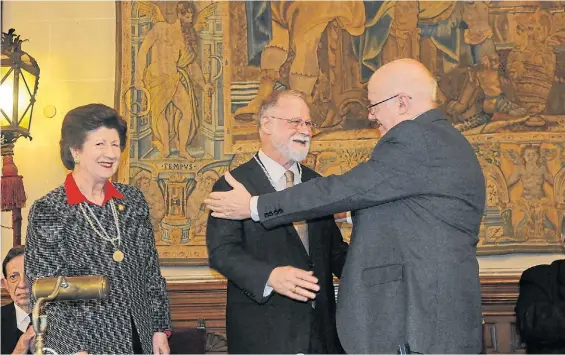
pixel 76 159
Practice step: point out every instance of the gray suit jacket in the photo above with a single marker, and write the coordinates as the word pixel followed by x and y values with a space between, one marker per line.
pixel 411 274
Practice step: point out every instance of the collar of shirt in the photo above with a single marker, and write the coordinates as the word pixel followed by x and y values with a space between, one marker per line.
pixel 22 318
pixel 74 196
pixel 276 171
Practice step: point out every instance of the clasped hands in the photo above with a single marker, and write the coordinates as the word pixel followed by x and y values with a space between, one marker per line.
pixel 26 342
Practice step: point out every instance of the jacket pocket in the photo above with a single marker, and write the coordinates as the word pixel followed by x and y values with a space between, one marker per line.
pixel 381 274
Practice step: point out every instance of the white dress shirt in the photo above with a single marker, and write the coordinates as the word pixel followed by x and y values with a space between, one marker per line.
pixel 276 174
pixel 22 318
pixel 276 171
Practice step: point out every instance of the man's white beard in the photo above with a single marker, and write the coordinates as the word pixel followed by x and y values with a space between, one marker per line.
pixel 296 155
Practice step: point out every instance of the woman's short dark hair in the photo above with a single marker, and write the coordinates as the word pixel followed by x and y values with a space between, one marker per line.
pixel 83 119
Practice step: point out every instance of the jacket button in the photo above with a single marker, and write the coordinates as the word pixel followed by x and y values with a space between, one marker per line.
pixel 311 263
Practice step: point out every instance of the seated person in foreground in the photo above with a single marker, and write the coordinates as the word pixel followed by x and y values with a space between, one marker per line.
pixel 540 310
pixel 17 334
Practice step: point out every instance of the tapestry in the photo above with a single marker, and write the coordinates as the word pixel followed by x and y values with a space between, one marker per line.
pixel 192 74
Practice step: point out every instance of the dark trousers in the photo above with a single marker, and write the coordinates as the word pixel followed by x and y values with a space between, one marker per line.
pixel 317 344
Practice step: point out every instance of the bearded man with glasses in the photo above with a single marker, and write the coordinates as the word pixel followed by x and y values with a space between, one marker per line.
pixel 281 297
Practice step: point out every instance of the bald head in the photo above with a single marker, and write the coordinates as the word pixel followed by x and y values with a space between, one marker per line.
pixel 411 85
pixel 408 76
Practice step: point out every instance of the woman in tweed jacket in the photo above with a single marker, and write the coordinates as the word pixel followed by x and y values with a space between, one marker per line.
pixel 72 231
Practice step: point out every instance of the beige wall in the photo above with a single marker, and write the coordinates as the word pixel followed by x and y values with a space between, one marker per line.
pixel 74 44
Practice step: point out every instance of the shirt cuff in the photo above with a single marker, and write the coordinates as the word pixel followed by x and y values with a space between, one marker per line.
pixel 347 218
pixel 268 290
pixel 253 209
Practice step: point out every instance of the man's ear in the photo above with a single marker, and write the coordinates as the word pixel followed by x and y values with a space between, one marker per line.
pixel 266 125
pixel 4 283
pixel 403 103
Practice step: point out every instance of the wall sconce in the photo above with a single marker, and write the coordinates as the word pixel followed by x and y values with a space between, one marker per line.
pixel 19 75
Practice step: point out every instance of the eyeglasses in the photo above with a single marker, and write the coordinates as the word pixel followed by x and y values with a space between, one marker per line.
pixel 296 122
pixel 371 108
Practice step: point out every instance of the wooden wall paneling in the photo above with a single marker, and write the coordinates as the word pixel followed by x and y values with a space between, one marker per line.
pixel 499 296
pixel 193 301
pixel 207 300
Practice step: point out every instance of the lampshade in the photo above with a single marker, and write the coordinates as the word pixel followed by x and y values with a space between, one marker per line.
pixel 19 75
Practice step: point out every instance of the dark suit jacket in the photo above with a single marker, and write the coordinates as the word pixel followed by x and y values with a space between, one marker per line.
pixel 246 253
pixel 10 332
pixel 540 310
pixel 411 273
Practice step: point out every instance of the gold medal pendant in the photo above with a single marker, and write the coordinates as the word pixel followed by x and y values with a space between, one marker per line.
pixel 118 256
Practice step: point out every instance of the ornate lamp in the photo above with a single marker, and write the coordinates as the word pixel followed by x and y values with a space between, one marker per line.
pixel 19 78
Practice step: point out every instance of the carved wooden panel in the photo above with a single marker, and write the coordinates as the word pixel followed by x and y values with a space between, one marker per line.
pixel 192 301
pixel 499 296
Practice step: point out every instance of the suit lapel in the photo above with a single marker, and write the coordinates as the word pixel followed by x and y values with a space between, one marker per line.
pixel 9 324
pixel 259 183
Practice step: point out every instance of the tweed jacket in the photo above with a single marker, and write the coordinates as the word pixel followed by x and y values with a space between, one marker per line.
pixel 411 274
pixel 60 241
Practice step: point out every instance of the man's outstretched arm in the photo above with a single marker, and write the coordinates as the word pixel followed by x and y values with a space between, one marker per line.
pixel 391 174
pixel 227 254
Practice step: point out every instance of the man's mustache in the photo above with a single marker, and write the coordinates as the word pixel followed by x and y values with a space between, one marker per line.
pixel 305 139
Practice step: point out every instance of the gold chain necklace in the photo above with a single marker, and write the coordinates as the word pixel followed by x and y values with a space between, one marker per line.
pixel 118 255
